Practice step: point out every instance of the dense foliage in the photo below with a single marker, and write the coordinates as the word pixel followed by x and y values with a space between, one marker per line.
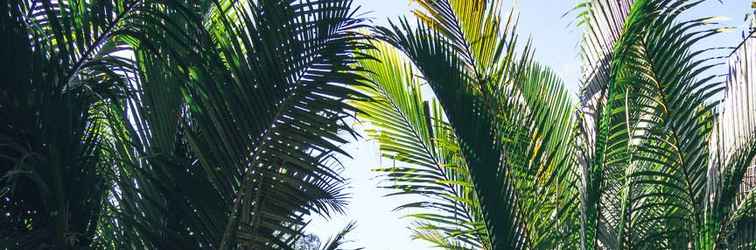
pixel 178 124
pixel 504 158
pixel 133 124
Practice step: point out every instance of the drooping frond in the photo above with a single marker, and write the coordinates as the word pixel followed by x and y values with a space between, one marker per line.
pixel 516 170
pixel 412 134
pixel 472 117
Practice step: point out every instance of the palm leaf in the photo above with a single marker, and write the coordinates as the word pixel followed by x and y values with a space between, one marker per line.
pixel 486 106
pixel 410 131
pixel 652 147
pixel 339 240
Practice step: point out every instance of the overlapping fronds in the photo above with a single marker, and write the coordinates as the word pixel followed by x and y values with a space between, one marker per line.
pixel 650 167
pixel 602 22
pixel 422 153
pixel 262 121
pixel 490 94
pixel 185 125
pixel 62 66
pixel 630 170
pixel 177 124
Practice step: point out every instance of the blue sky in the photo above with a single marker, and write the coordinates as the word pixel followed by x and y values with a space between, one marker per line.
pixel 556 41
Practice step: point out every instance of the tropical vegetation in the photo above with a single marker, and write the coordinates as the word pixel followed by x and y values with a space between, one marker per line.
pixel 173 124
pixel 178 124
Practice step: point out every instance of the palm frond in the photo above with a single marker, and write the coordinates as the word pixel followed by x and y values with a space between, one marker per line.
pixel 411 132
pixel 653 132
pixel 186 125
pixel 262 121
pixel 339 240
pixel 509 164
pixel 458 94
pixel 603 23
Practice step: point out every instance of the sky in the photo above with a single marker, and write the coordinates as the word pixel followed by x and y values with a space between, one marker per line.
pixel 555 39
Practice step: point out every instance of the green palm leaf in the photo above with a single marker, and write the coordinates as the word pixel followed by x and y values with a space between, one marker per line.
pixel 411 132
pixel 516 170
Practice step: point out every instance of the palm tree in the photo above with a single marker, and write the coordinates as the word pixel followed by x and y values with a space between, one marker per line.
pixel 61 65
pixel 630 167
pixel 176 124
pixel 653 180
pixel 508 135
pixel 173 124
